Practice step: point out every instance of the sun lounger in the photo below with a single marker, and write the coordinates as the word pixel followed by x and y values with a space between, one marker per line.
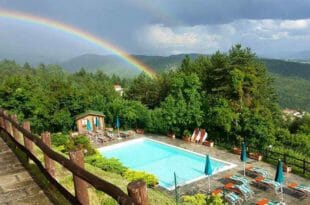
pixel 233 198
pixel 195 134
pixel 201 137
pixel 268 183
pixel 243 189
pixel 267 202
pixel 301 189
pixel 256 171
pixel 239 179
pixel 102 139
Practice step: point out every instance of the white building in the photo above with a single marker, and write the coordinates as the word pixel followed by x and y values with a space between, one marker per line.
pixel 119 89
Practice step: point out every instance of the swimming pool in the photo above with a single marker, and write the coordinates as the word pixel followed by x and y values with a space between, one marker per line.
pixel 163 160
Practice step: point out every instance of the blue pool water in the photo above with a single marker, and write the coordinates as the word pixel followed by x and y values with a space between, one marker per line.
pixel 162 160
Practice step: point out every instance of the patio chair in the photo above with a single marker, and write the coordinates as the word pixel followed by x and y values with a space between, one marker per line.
pixel 233 198
pixel 267 202
pixel 243 189
pixel 256 171
pixel 268 183
pixel 238 179
pixel 110 135
pixel 102 139
pixel 299 188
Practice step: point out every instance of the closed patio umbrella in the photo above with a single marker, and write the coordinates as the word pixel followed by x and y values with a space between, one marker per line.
pixel 243 156
pixel 208 171
pixel 280 176
pixel 117 125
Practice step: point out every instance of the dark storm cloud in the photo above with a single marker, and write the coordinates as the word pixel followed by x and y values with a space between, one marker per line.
pixel 160 26
pixel 195 12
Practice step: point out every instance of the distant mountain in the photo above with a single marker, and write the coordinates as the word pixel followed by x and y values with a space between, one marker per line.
pixel 288 68
pixel 33 60
pixel 115 65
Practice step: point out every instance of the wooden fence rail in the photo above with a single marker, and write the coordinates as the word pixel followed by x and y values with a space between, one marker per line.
pixel 11 127
pixel 289 160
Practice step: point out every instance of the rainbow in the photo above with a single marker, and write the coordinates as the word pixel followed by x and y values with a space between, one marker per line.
pixel 80 34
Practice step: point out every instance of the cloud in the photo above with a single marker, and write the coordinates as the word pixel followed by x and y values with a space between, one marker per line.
pixel 258 34
pixel 165 35
pixel 180 39
pixel 165 27
pixel 295 24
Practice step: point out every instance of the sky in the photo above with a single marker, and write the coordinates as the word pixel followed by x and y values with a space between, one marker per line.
pixel 270 28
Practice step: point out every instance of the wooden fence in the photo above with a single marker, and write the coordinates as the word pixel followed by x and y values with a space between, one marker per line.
pixel 24 140
pixel 298 165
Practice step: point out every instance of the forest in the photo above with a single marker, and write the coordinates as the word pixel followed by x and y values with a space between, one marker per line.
pixel 230 94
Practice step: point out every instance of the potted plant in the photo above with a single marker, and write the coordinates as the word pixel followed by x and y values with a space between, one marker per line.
pixel 186 135
pixel 287 168
pixel 171 134
pixel 255 156
pixel 236 150
pixel 140 131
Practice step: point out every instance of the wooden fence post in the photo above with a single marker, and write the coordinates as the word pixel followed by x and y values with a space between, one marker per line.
pixel 27 142
pixel 304 167
pixel 49 163
pixel 80 186
pixel 10 127
pixel 1 122
pixel 137 190
pixel 1 119
pixel 15 131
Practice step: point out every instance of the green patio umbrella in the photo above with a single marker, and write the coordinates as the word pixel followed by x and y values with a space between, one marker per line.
pixel 117 125
pixel 208 171
pixel 243 156
pixel 88 126
pixel 280 176
pixel 176 188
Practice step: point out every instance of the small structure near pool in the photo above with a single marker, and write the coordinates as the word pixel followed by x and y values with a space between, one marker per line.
pixel 90 121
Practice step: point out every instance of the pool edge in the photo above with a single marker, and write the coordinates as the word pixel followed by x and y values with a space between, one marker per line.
pixel 228 166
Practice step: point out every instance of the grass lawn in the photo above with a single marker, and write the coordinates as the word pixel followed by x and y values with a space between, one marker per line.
pixel 97 197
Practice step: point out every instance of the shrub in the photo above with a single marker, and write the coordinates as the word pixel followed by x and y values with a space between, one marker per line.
pixel 80 142
pixel 59 139
pixel 110 165
pixel 186 133
pixel 149 179
pixel 198 199
pixel 215 200
pixel 201 199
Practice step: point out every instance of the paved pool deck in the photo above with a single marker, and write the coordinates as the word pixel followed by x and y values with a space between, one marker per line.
pixel 218 180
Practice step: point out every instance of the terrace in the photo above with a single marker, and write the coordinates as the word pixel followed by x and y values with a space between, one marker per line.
pixel 218 179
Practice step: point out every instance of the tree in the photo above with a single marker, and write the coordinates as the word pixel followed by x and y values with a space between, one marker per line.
pixel 144 89
pixel 219 117
pixel 182 108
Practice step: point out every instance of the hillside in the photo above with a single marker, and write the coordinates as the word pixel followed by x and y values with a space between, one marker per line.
pixel 112 64
pixel 288 68
pixel 115 65
pixel 292 79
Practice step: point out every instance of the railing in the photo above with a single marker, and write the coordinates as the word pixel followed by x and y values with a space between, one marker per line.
pixel 298 165
pixel 81 177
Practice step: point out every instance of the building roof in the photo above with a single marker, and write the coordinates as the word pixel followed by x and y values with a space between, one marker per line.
pixel 89 112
